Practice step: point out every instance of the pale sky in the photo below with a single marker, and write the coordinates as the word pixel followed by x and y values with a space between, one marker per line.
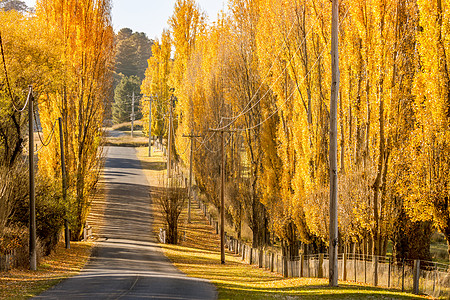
pixel 151 16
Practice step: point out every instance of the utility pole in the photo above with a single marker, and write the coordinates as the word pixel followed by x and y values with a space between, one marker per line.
pixel 169 138
pixel 222 196
pixel 333 262
pixel 150 126
pixel 191 136
pixel 32 243
pixel 64 184
pixel 132 114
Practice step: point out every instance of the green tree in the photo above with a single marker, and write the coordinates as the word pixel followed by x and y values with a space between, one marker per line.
pixel 133 49
pixel 123 99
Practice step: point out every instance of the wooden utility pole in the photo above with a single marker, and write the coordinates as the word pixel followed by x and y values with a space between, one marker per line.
pixel 32 243
pixel 64 184
pixel 169 140
pixel 132 114
pixel 150 126
pixel 333 262
pixel 222 195
pixel 191 136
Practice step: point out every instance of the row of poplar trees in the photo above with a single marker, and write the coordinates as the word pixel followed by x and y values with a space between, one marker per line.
pixel 264 68
pixel 64 50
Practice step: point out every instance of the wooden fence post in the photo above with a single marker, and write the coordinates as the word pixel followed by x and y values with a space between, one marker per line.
pixel 403 276
pixel 389 272
pixel 260 260
pixel 302 258
pixel 375 270
pixel 344 275
pixel 416 276
pixel 320 271
pixel 272 255
pixel 354 259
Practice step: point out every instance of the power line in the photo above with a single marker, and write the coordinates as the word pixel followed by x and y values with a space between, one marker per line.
pixel 290 96
pixel 262 83
pixel 7 80
pixel 245 110
pixel 49 138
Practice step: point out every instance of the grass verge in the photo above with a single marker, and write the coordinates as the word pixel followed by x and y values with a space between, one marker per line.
pixel 62 263
pixel 198 256
pixel 59 265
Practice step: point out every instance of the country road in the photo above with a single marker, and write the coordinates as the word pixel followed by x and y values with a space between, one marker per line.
pixel 127 262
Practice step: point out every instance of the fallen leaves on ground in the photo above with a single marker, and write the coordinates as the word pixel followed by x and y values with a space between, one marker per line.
pixel 60 264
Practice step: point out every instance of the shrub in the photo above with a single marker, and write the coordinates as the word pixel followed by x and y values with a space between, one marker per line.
pixel 172 202
pixel 49 213
pixel 15 240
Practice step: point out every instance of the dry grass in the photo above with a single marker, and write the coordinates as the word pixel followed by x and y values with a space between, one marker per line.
pixel 125 139
pixel 198 255
pixel 62 263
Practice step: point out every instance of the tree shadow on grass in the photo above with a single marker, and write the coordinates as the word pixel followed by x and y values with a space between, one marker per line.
pixel 344 291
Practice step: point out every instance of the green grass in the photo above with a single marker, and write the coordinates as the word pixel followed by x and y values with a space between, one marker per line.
pixel 439 248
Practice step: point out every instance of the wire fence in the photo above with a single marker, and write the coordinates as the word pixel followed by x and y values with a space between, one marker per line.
pixel 8 261
pixel 419 277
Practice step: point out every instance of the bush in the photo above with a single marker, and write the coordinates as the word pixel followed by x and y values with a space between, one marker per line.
pixel 15 239
pixel 13 189
pixel 49 213
pixel 172 202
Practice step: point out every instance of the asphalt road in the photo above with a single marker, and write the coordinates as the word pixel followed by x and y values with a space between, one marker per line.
pixel 127 262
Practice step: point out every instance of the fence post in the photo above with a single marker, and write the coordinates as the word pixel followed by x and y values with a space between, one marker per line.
pixel 251 255
pixel 389 272
pixel 308 266
pixel 320 271
pixel 416 276
pixel 302 257
pixel 272 256
pixel 344 275
pixel 285 266
pixel 261 256
pixel 403 276
pixel 434 278
pixel 243 252
pixel 354 259
pixel 365 268
pixel 375 270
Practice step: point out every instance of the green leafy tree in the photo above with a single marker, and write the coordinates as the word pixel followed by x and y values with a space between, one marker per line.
pixel 133 49
pixel 123 97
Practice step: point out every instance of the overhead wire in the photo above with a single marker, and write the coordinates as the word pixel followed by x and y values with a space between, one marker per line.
pixel 49 138
pixel 262 83
pixel 293 92
pixel 7 80
pixel 245 110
